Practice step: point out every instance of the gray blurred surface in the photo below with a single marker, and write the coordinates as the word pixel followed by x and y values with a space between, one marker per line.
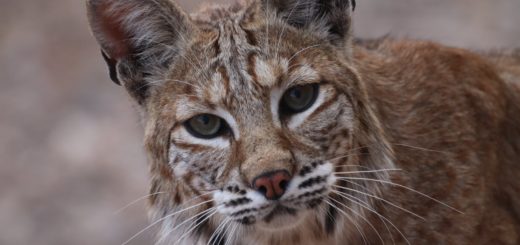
pixel 70 142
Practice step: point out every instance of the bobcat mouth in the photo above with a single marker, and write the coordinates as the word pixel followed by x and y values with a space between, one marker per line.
pixel 280 210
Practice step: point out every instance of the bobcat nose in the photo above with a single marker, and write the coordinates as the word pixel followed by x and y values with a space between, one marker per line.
pixel 272 184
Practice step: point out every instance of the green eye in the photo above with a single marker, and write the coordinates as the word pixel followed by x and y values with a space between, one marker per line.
pixel 205 126
pixel 300 98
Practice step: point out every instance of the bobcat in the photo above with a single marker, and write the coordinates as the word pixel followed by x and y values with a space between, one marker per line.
pixel 266 122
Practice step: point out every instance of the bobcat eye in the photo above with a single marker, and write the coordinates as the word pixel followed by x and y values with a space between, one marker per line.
pixel 299 98
pixel 206 126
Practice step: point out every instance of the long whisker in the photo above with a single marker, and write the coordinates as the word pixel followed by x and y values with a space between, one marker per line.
pixel 349 218
pixel 217 231
pixel 223 232
pixel 353 166
pixel 350 152
pixel 356 184
pixel 359 215
pixel 195 226
pixel 367 206
pixel 186 83
pixel 204 212
pixel 419 148
pixel 285 26
pixel 368 171
pixel 382 199
pixel 404 187
pixel 163 218
pixel 375 212
pixel 231 236
pixel 301 51
pixel 136 201
pixel 236 232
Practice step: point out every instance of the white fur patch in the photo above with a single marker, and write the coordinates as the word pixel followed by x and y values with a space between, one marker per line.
pixel 264 73
pixel 276 96
pixel 185 111
pixel 185 137
pixel 299 118
pixel 230 120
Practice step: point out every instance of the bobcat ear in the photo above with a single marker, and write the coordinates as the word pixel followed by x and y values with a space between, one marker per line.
pixel 138 38
pixel 111 63
pixel 330 19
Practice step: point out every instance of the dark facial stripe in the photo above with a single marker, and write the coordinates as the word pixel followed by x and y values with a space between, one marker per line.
pixel 216 45
pixel 312 181
pixel 330 219
pixel 324 106
pixel 251 39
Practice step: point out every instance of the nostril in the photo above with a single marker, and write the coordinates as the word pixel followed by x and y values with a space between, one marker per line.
pixel 272 185
pixel 284 184
pixel 262 190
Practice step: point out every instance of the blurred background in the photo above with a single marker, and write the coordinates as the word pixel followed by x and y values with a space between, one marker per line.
pixel 70 142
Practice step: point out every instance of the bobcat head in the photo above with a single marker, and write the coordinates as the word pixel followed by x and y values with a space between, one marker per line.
pixel 251 113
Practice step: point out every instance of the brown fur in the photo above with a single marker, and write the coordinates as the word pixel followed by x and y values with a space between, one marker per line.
pixel 453 102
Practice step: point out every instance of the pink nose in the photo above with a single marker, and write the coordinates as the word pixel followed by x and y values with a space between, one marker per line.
pixel 272 184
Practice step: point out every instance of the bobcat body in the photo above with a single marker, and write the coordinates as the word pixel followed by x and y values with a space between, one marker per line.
pixel 267 123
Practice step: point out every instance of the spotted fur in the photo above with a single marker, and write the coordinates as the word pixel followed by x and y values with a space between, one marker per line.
pixel 407 143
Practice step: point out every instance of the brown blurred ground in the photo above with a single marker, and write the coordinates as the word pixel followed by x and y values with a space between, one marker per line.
pixel 70 143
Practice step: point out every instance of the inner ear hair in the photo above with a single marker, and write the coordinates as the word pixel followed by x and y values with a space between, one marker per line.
pixel 138 38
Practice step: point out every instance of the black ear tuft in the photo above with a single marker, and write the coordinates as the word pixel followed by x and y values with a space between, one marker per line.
pixel 111 63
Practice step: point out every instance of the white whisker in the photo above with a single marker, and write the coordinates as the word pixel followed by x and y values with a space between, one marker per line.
pixel 404 187
pixel 285 26
pixel 224 233
pixel 381 199
pixel 349 218
pixel 302 50
pixel 419 148
pixel 196 225
pixel 231 236
pixel 368 171
pixel 378 214
pixel 366 205
pixel 163 218
pixel 218 230
pixel 360 216
pixel 136 201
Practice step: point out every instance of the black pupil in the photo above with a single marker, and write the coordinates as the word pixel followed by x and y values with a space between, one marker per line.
pixel 205 120
pixel 300 98
pixel 205 126
pixel 296 94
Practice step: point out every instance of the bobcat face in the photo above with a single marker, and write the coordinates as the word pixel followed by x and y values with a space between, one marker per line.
pixel 267 153
pixel 258 132
pixel 250 113
pixel 261 134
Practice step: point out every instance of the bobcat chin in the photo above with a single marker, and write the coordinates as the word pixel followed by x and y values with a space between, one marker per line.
pixel 266 122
